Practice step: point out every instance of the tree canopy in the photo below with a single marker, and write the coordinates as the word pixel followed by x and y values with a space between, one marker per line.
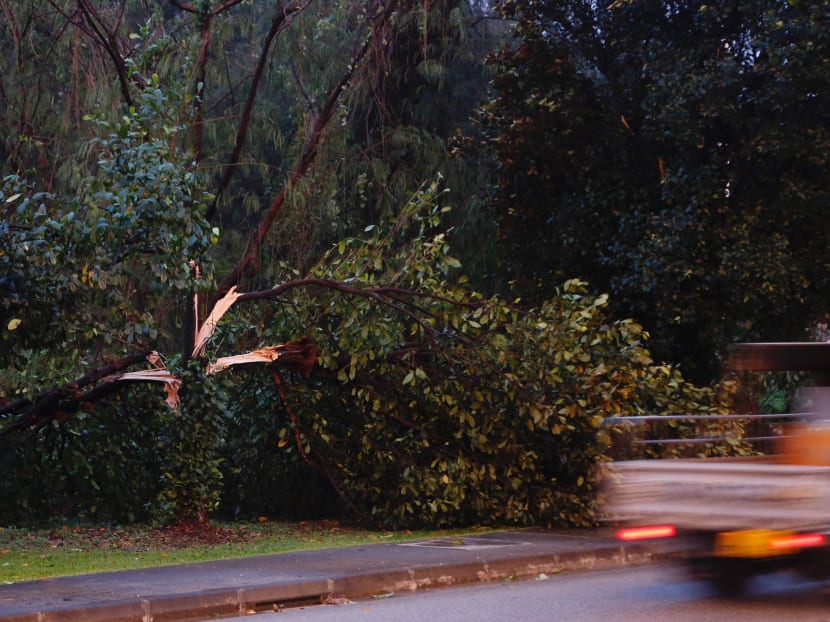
pixel 673 154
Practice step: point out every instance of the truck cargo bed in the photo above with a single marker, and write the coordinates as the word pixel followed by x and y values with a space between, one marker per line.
pixel 717 495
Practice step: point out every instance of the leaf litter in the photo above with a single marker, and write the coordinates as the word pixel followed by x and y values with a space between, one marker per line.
pixel 137 538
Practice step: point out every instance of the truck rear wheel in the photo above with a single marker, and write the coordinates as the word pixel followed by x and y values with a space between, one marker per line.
pixel 728 577
pixel 729 582
pixel 816 564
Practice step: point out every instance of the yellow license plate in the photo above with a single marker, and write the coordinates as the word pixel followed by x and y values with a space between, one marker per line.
pixel 750 543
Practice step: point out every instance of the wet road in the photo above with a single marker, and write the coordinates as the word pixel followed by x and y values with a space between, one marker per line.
pixel 634 594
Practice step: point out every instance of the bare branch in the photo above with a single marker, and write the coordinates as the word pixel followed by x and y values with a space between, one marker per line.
pixel 300 170
pixel 107 39
pixel 198 95
pixel 10 19
pixel 117 24
pixel 188 8
pixel 198 99
pixel 224 7
pixel 277 24
pixel 301 86
pixel 362 45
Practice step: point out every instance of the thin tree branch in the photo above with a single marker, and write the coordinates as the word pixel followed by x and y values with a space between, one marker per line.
pixel 10 19
pixel 391 297
pixel 106 37
pixel 117 24
pixel 277 24
pixel 198 95
pixel 206 36
pixel 370 292
pixel 300 170
pixel 188 8
pixel 303 91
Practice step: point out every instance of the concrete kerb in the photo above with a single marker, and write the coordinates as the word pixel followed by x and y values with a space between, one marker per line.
pixel 265 597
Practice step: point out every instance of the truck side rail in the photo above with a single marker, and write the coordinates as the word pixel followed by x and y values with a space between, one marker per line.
pixel 635 436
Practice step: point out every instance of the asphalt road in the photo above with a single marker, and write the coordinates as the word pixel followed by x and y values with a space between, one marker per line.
pixel 655 592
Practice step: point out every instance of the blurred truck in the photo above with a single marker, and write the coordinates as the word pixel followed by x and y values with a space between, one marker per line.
pixel 742 516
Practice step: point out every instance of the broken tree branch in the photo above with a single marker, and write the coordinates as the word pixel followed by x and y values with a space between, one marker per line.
pixel 68 398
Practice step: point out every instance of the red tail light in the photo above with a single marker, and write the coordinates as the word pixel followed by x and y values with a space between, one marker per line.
pixel 797 541
pixel 646 533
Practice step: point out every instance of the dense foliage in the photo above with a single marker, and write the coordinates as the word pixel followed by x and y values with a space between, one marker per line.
pixel 226 287
pixel 424 404
pixel 93 269
pixel 673 154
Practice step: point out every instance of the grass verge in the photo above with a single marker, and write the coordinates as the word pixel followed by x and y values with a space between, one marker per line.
pixel 73 549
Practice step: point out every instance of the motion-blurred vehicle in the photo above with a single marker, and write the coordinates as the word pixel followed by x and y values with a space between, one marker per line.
pixel 743 515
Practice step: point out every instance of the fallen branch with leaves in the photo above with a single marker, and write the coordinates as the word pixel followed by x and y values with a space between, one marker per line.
pixel 60 403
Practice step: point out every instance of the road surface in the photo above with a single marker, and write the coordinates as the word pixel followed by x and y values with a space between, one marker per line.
pixel 633 594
